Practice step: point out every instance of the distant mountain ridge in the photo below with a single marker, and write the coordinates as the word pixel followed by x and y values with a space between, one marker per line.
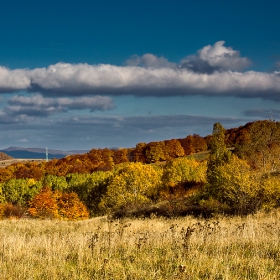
pixel 39 153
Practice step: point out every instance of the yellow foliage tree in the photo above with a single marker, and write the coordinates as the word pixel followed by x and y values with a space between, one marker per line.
pixel 183 176
pixel 135 183
pixel 237 186
pixel 184 170
pixel 271 191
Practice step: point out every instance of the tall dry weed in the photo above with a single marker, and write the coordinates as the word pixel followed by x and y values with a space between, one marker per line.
pixel 103 248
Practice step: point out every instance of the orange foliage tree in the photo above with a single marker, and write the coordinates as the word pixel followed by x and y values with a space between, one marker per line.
pixel 174 149
pixel 187 144
pixel 5 175
pixel 120 156
pixel 199 143
pixel 57 205
pixel 155 152
pixel 29 170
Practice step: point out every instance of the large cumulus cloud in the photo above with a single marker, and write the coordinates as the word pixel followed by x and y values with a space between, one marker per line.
pixel 214 70
pixel 67 79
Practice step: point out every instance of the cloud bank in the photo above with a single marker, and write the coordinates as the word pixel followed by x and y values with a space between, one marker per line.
pixel 87 132
pixel 214 70
pixel 23 108
pixel 263 113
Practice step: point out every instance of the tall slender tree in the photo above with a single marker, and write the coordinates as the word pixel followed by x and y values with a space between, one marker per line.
pixel 219 154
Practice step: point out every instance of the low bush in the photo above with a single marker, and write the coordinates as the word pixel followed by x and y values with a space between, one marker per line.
pixel 10 211
pixel 173 208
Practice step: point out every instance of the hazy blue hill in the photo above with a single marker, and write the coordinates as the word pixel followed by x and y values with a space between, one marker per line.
pixel 38 153
pixel 27 154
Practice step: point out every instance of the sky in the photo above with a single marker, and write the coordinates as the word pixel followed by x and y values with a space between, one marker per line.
pixel 94 74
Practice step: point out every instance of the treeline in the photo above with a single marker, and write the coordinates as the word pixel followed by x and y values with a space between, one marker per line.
pixel 101 191
pixel 131 182
pixel 106 159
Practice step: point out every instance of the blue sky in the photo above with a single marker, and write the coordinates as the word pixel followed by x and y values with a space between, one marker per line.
pixel 93 74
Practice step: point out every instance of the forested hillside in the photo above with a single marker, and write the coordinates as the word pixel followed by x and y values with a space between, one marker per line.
pixel 239 176
pixel 3 156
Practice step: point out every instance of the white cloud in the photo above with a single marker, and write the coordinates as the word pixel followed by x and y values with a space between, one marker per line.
pixel 212 71
pixel 67 79
pixel 13 80
pixel 75 78
pixel 223 57
pixel 215 58
pixel 23 140
pixel 150 60
pixel 35 100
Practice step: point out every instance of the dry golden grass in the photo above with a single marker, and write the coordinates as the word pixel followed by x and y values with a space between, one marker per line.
pixel 157 248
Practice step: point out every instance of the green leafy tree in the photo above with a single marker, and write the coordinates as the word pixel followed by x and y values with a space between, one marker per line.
pixel 91 188
pixel 55 182
pixel 75 180
pixel 2 196
pixel 20 191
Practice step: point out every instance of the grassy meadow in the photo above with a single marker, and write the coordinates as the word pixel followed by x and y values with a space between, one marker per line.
pixel 156 248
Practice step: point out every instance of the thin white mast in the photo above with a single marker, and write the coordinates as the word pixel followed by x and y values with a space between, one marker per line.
pixel 47 158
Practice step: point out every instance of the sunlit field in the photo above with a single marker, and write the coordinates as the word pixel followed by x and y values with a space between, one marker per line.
pixel 156 248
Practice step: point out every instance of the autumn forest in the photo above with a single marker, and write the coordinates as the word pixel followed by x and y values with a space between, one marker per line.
pixel 234 171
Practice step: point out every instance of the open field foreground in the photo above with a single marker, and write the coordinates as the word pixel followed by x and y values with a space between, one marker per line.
pixel 157 248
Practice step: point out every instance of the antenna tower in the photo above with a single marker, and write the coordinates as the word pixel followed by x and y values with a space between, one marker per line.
pixel 271 115
pixel 47 156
